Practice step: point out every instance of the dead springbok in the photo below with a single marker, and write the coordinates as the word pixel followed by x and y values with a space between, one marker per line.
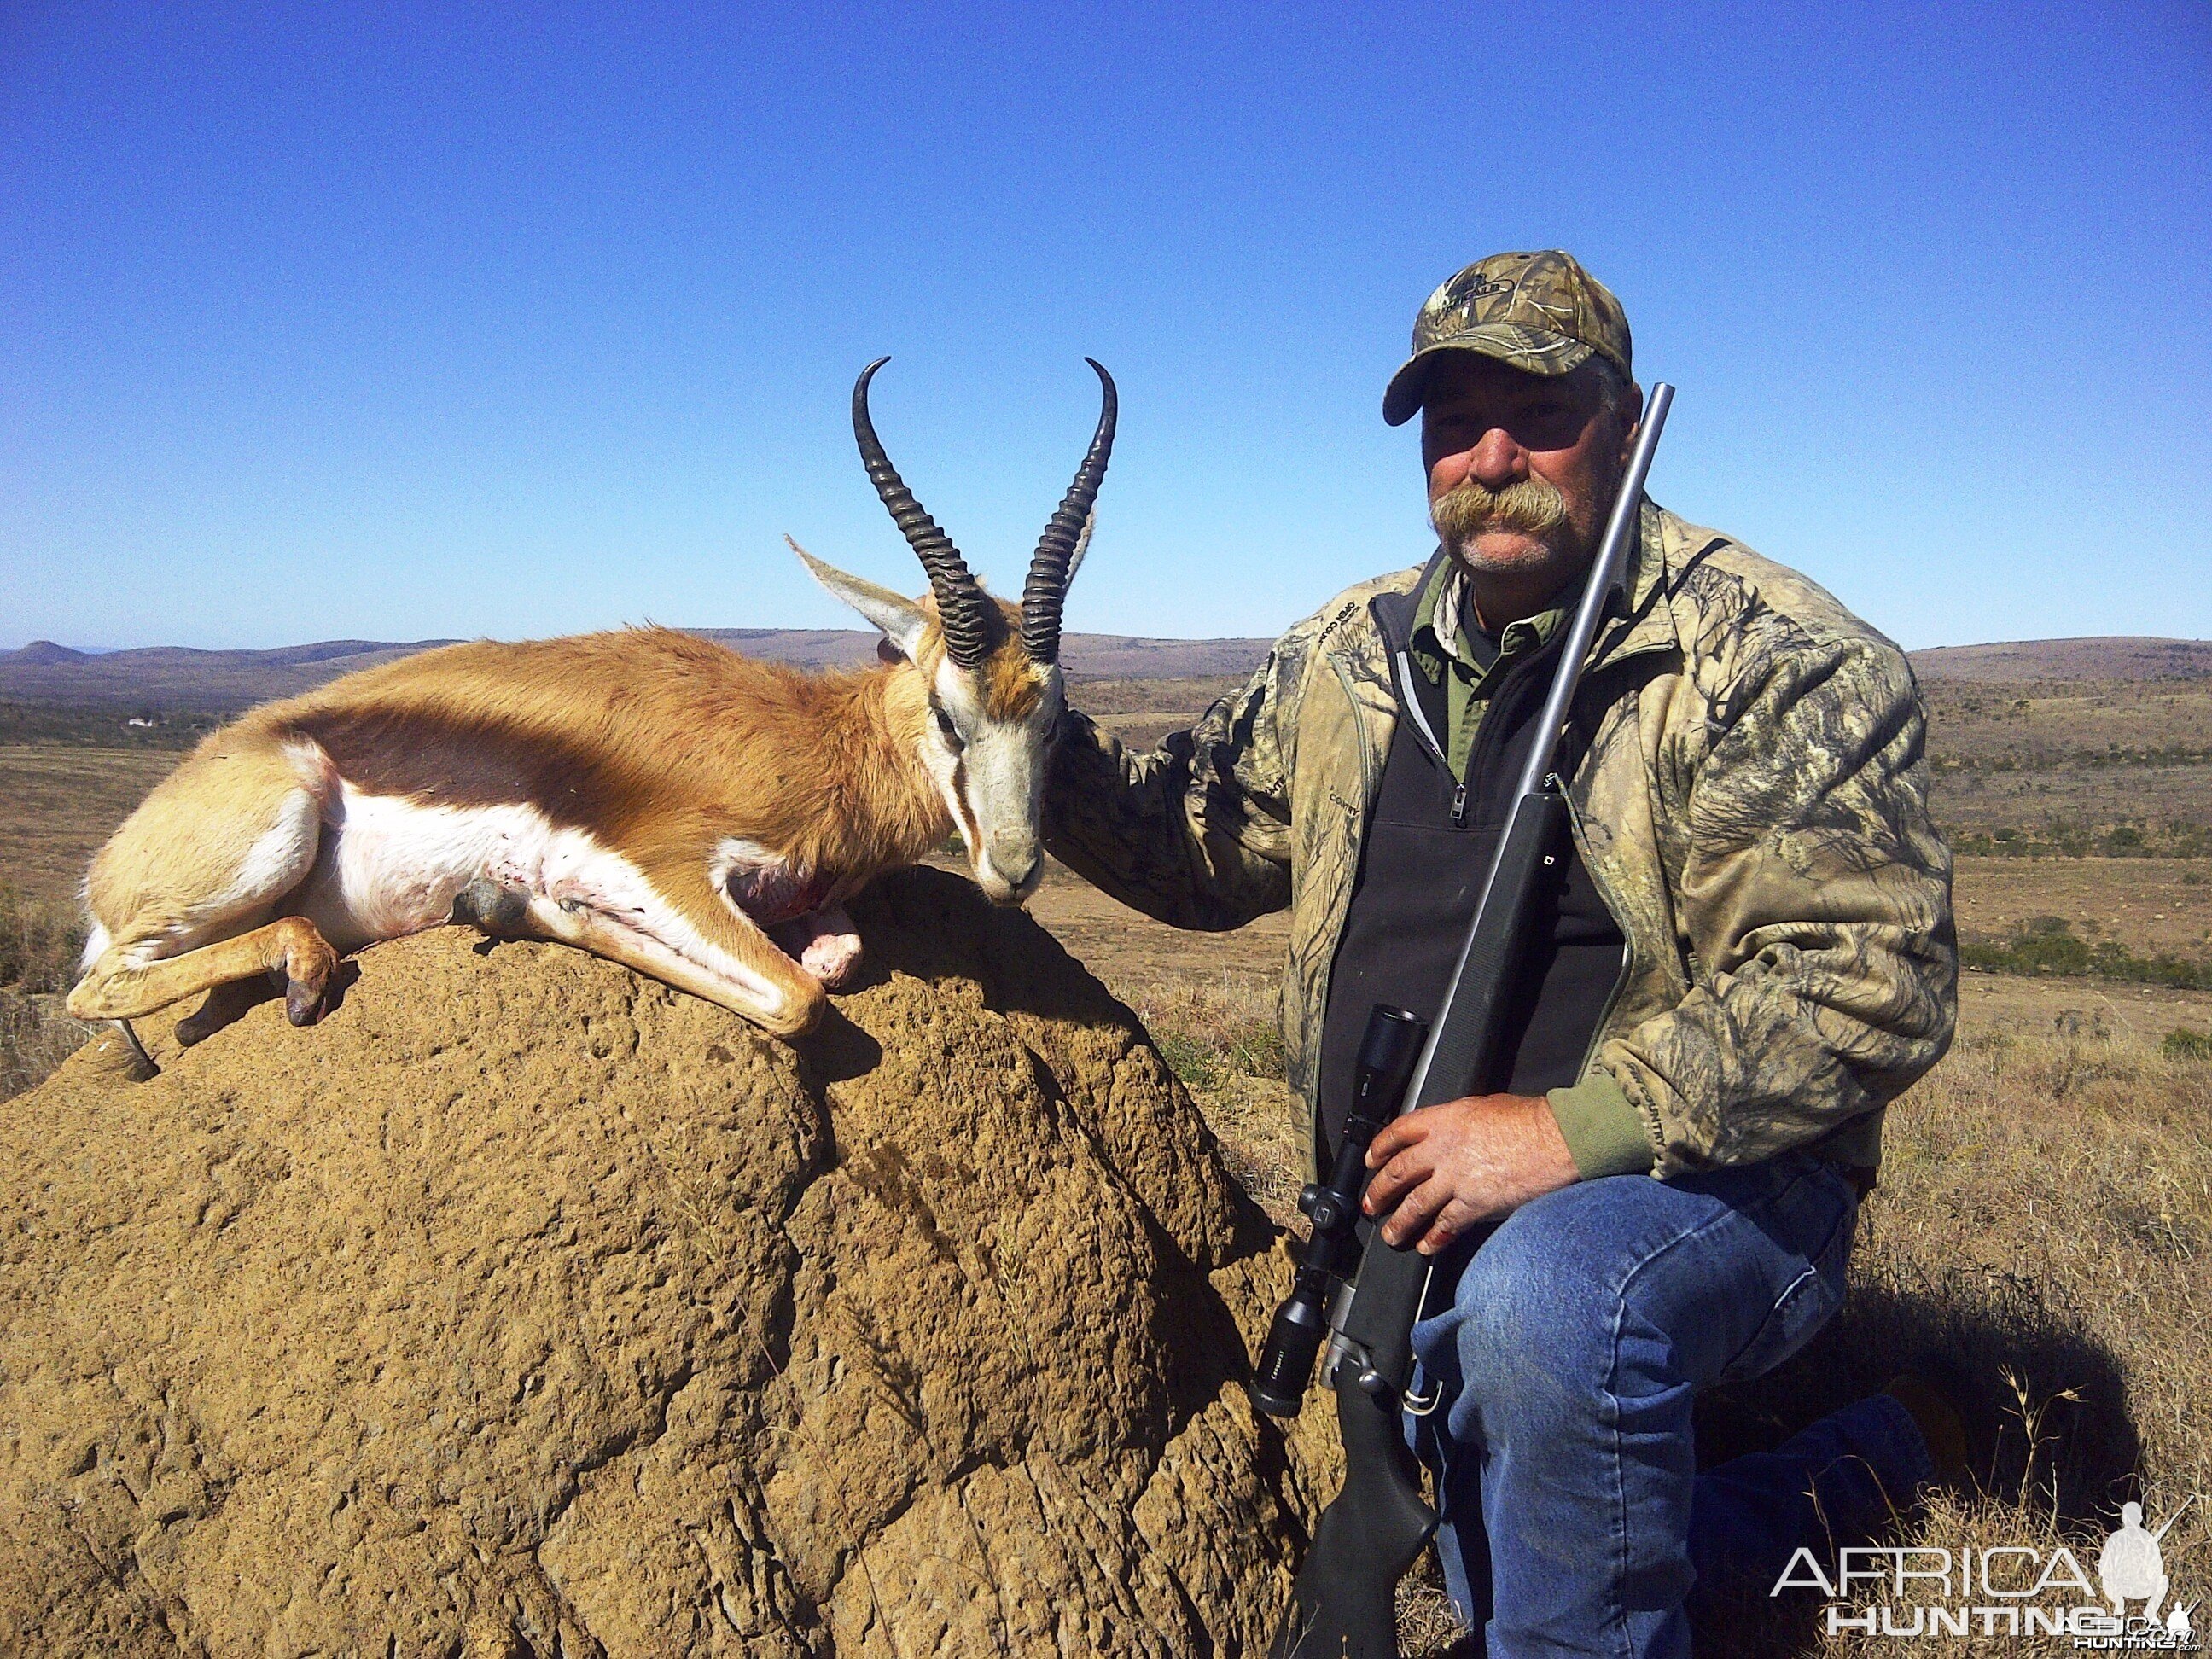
pixel 651 798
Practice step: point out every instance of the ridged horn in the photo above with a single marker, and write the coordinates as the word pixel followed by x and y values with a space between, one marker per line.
pixel 1046 588
pixel 961 606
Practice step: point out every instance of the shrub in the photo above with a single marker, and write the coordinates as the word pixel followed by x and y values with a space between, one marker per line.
pixel 2047 944
pixel 2182 1043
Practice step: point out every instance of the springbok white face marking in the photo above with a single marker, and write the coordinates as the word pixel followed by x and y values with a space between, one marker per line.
pixel 991 771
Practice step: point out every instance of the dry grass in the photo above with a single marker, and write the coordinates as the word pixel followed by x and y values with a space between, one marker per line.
pixel 35 1036
pixel 39 943
pixel 58 803
pixel 38 947
pixel 1427 1626
pixel 2047 1212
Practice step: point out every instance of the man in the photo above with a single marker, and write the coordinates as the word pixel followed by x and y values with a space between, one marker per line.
pixel 1748 953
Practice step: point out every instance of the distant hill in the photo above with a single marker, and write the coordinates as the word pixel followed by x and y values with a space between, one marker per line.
pixel 178 677
pixel 2112 656
pixel 46 651
pixel 1085 656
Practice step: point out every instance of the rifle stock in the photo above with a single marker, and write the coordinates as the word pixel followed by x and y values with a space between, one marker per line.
pixel 1344 1603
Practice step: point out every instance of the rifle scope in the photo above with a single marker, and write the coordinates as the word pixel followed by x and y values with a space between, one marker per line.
pixel 1388 1049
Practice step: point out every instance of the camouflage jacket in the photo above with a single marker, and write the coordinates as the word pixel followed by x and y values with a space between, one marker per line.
pixel 1751 808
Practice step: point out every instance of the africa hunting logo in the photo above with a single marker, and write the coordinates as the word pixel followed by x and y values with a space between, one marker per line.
pixel 2007 1591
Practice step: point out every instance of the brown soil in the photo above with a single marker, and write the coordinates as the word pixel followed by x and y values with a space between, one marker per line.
pixel 2000 1003
pixel 1122 944
pixel 2149 905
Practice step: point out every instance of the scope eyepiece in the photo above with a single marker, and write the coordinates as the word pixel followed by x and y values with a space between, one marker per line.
pixel 1388 1049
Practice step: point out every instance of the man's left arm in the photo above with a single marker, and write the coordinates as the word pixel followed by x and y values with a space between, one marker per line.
pixel 1815 899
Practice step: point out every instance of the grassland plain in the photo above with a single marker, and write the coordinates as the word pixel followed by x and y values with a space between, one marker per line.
pixel 2042 768
pixel 2045 1208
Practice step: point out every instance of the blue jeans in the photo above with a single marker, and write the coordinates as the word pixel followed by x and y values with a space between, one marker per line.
pixel 1575 1520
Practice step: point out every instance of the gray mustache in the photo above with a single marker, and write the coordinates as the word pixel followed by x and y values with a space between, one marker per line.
pixel 1530 506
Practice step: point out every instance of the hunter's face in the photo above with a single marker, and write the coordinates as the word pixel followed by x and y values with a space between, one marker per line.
pixel 1522 467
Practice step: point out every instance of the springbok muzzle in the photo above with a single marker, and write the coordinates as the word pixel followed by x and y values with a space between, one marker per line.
pixel 1017 860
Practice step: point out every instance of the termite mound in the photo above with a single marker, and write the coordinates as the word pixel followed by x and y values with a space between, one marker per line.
pixel 525 1306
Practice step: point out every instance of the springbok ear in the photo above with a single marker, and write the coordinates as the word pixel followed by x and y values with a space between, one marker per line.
pixel 1082 546
pixel 900 617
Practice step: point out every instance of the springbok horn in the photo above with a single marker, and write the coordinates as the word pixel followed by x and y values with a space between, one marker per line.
pixel 1046 588
pixel 960 601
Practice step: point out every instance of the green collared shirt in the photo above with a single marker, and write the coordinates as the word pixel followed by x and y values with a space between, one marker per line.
pixel 1604 1133
pixel 1452 649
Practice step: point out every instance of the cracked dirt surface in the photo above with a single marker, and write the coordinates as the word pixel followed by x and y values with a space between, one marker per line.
pixel 526 1307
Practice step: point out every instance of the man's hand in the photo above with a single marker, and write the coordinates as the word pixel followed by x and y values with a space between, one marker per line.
pixel 1439 1171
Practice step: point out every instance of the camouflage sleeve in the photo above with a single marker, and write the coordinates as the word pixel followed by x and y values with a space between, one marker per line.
pixel 1196 833
pixel 1815 898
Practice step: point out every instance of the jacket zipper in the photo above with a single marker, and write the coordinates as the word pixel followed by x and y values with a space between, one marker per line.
pixel 1410 703
pixel 1359 731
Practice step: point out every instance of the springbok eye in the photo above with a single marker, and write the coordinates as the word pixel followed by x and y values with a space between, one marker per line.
pixel 944 724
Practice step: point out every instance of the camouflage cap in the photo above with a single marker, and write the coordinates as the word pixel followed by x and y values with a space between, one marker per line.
pixel 1541 312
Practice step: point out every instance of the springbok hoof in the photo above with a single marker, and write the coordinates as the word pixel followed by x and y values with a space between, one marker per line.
pixel 303 1002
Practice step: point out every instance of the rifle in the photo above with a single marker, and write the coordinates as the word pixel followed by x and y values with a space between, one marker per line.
pixel 1344 1603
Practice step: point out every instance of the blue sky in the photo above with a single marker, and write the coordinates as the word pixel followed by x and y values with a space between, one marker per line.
pixel 395 321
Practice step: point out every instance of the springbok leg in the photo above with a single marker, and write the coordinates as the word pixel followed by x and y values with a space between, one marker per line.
pixel 224 1004
pixel 125 982
pixel 755 981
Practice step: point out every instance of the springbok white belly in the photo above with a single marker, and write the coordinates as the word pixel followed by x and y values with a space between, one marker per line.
pixel 390 866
